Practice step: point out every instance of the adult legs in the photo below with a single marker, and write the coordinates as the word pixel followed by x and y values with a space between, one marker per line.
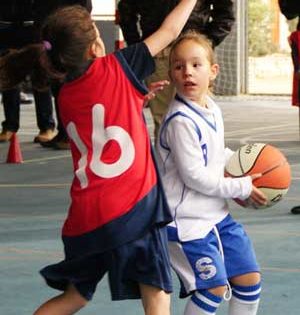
pixel 159 105
pixel 60 141
pixel 44 115
pixel 11 105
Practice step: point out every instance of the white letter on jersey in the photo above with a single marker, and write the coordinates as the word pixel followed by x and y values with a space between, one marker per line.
pixel 100 137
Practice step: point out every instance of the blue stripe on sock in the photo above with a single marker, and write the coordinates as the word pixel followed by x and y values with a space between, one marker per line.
pixel 249 288
pixel 246 297
pixel 210 296
pixel 244 292
pixel 205 306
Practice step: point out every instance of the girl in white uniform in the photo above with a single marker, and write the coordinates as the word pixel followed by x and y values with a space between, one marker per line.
pixel 210 252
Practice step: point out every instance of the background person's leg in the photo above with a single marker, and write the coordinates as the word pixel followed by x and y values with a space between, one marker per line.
pixel 44 115
pixel 11 105
pixel 60 141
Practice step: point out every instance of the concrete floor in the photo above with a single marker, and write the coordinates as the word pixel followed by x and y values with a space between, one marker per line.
pixel 34 200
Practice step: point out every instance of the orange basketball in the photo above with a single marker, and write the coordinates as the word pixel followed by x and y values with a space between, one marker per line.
pixel 267 160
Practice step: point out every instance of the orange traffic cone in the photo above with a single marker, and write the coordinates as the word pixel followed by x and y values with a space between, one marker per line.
pixel 14 153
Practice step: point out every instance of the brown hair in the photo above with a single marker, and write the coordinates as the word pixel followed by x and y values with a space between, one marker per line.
pixel 68 32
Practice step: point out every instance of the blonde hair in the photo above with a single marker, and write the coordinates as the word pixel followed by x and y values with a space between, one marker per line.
pixel 198 38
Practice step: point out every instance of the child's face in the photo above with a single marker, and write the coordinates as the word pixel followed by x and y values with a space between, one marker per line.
pixel 191 71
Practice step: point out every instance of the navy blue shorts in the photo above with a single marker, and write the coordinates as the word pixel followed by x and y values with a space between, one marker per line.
pixel 143 261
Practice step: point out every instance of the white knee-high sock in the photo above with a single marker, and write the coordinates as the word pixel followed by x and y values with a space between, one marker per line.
pixel 202 303
pixel 244 300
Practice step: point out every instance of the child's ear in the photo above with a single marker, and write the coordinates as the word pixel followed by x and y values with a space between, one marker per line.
pixel 96 49
pixel 214 71
pixel 93 50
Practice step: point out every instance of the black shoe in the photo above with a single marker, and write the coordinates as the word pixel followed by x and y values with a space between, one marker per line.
pixel 59 142
pixel 296 210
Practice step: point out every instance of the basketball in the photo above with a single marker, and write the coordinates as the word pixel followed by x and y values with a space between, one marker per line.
pixel 267 160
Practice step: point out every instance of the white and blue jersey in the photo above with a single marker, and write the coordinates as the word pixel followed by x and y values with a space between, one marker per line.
pixel 192 158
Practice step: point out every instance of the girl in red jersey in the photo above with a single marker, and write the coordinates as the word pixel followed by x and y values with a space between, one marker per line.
pixel 118 213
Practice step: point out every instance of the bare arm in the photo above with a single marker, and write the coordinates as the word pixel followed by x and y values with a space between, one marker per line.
pixel 171 27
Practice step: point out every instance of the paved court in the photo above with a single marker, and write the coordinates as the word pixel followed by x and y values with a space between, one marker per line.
pixel 34 199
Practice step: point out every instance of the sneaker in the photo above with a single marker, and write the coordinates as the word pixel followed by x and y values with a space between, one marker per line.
pixel 44 136
pixel 296 210
pixel 6 135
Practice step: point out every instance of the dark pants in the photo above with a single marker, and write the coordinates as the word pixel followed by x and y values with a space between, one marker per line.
pixel 12 36
pixel 62 133
pixel 43 109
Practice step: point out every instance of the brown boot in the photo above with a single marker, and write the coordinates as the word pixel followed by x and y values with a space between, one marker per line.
pixel 44 136
pixel 6 135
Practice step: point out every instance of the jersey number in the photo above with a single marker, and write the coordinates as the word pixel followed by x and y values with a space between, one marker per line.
pixel 100 136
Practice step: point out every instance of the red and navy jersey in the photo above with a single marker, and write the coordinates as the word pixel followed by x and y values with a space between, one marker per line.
pixel 295 45
pixel 116 194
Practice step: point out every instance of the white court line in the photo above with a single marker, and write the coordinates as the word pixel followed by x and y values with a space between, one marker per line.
pixel 50 185
pixel 249 130
pixel 47 159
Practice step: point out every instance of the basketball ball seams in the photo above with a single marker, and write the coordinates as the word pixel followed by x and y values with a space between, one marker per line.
pixel 255 160
pixel 240 163
pixel 266 172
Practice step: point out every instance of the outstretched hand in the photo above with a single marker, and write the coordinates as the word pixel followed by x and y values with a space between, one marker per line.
pixel 154 88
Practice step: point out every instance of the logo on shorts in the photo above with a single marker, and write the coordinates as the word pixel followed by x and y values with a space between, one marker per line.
pixel 205 267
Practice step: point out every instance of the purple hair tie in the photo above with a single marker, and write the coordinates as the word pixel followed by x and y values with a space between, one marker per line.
pixel 47 45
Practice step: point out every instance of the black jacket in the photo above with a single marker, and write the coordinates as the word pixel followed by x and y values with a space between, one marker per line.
pixel 16 10
pixel 290 8
pixel 18 34
pixel 140 18
pixel 42 8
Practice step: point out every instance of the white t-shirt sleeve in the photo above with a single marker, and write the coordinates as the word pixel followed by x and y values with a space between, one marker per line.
pixel 183 141
pixel 228 154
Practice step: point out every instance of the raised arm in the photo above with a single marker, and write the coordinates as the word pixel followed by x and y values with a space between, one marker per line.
pixel 171 27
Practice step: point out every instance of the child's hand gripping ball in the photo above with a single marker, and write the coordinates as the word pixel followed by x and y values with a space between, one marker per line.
pixel 265 159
